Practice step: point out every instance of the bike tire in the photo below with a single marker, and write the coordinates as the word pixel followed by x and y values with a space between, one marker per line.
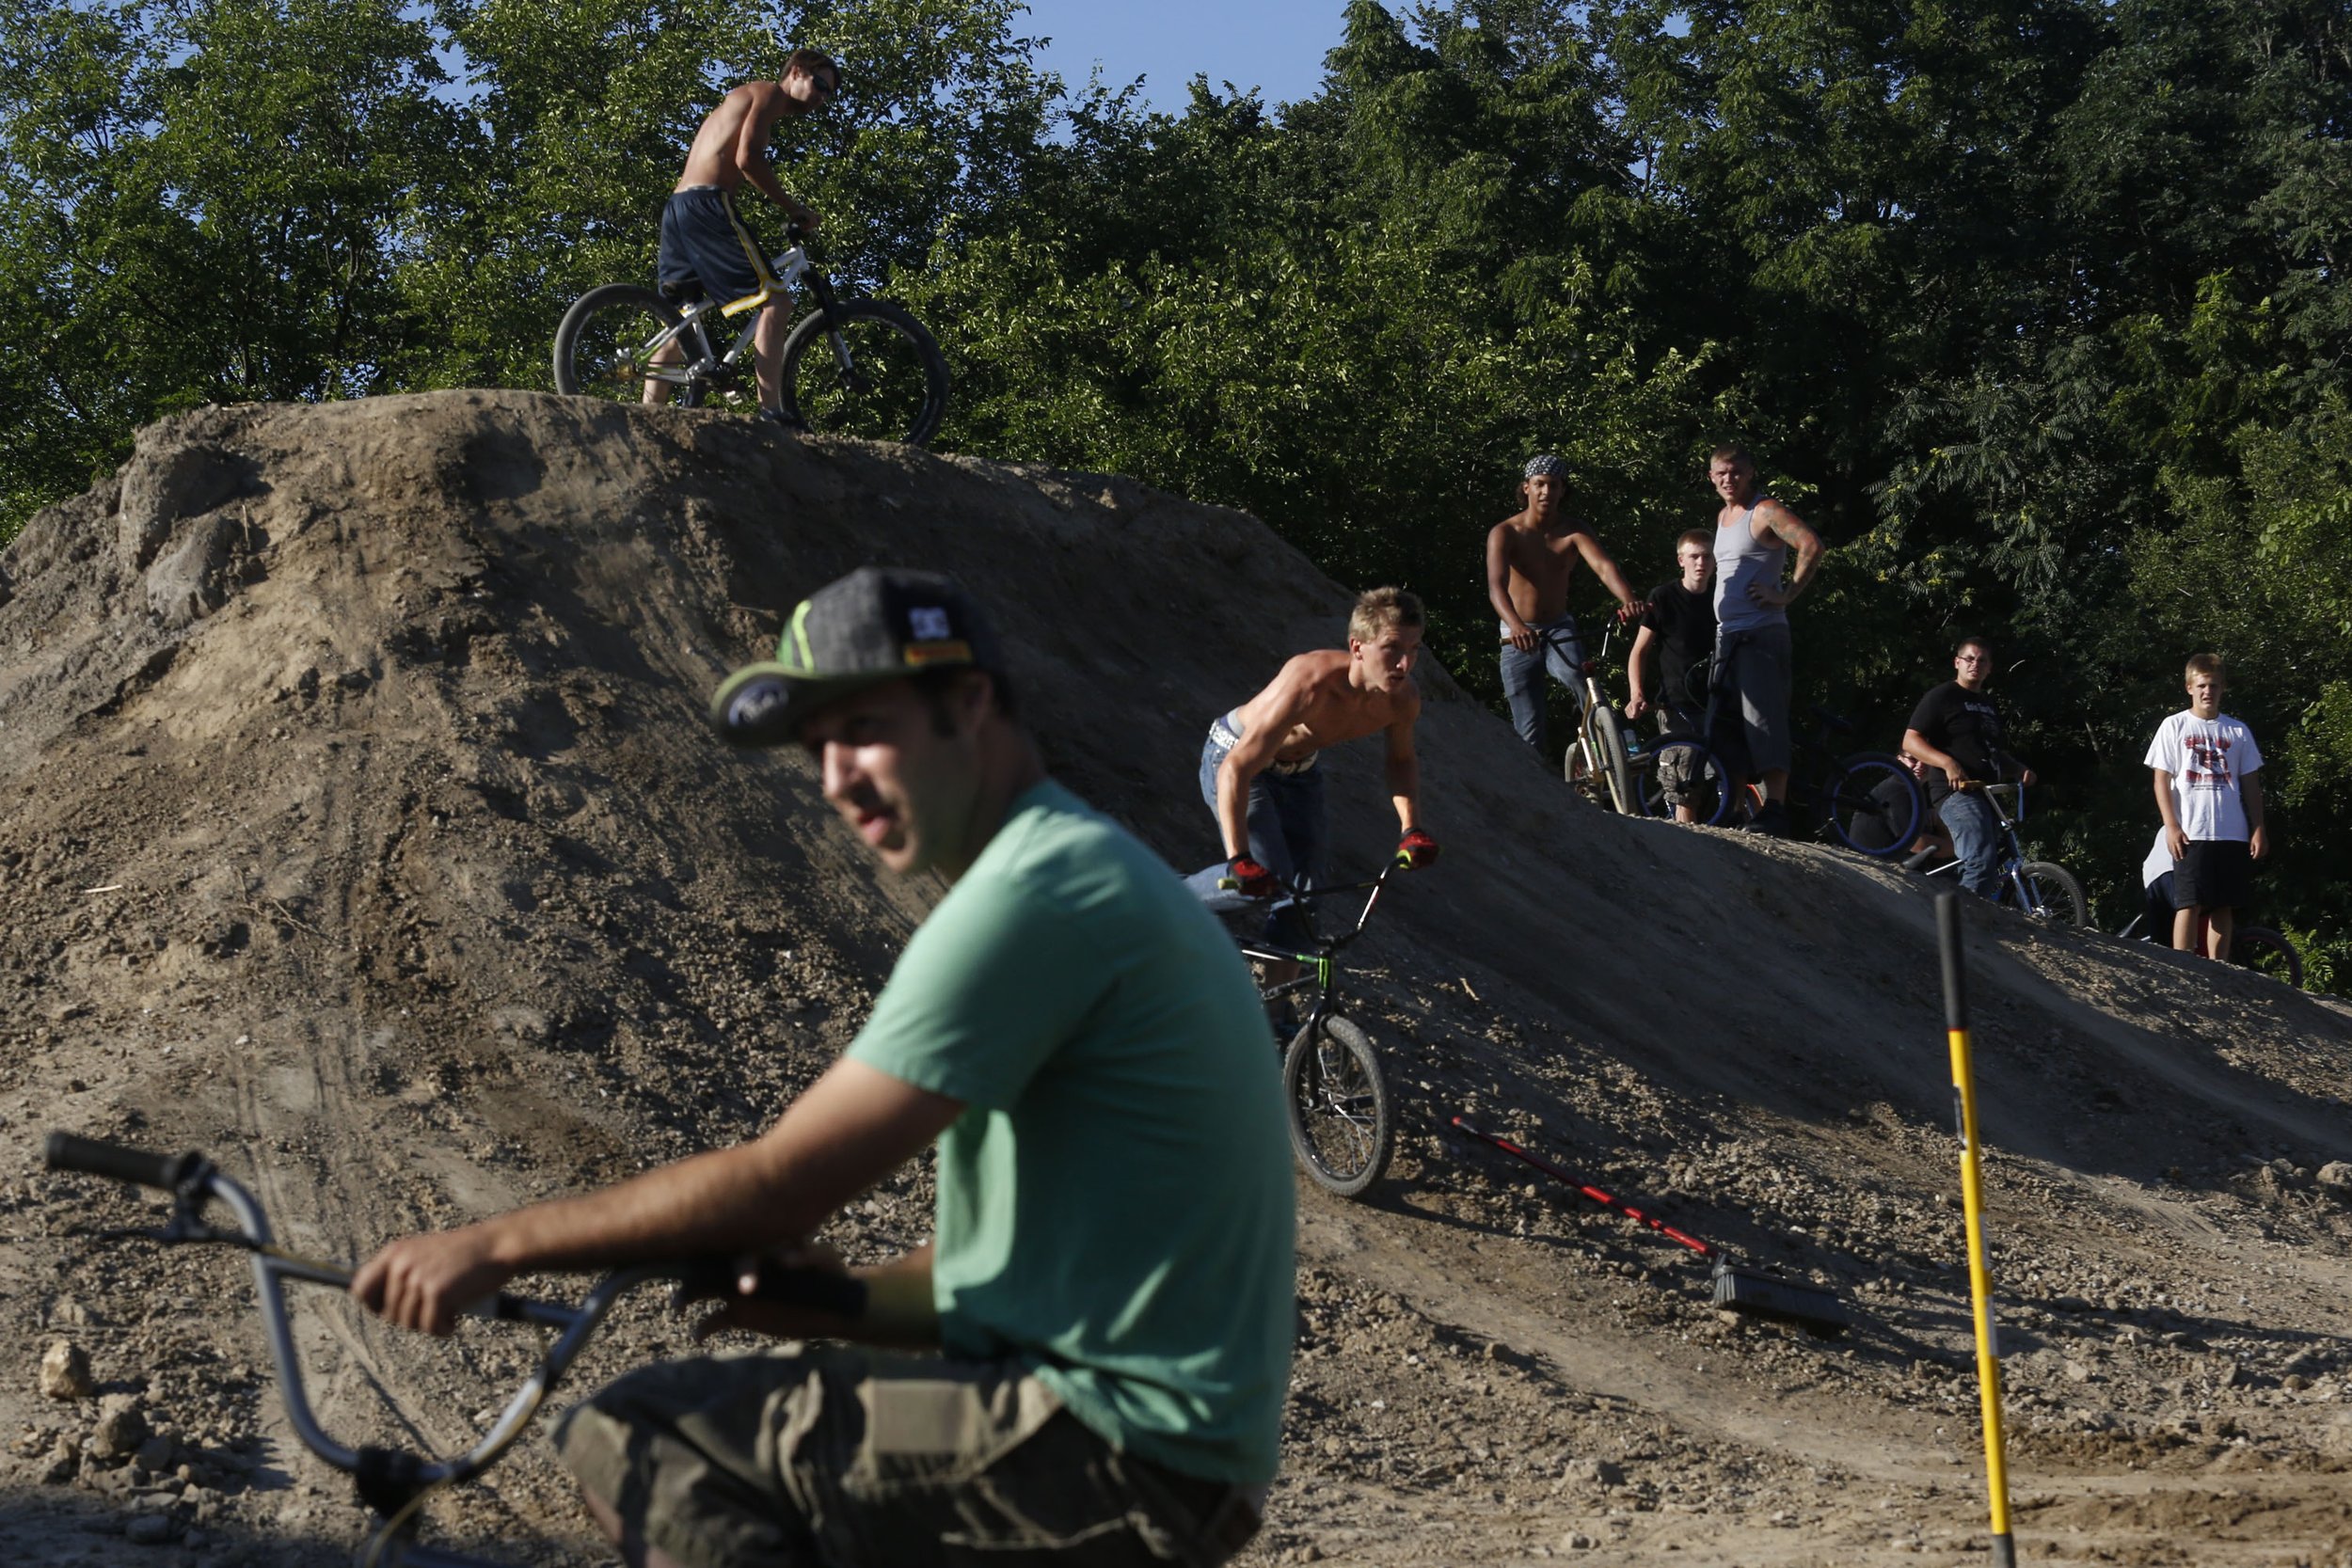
pixel 1616 773
pixel 1853 791
pixel 2057 894
pixel 1336 1100
pixel 893 388
pixel 1709 789
pixel 2266 952
pixel 607 337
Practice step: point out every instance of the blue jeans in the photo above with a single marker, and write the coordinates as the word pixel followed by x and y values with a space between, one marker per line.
pixel 1559 651
pixel 1286 832
pixel 1976 831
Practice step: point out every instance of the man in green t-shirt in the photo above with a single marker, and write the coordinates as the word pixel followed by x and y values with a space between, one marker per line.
pixel 1109 1283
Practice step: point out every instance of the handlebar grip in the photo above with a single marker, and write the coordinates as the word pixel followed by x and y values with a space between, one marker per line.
pixel 67 1152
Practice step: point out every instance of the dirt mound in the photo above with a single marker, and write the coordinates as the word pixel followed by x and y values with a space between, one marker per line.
pixel 364 832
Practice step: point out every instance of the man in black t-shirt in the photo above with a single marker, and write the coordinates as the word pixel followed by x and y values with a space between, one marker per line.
pixel 1956 730
pixel 1680 622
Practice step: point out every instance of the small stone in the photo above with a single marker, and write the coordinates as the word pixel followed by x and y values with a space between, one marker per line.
pixel 121 1426
pixel 155 1454
pixel 1592 1472
pixel 1577 1541
pixel 151 1530
pixel 64 1460
pixel 65 1372
pixel 2077 1372
pixel 2336 1177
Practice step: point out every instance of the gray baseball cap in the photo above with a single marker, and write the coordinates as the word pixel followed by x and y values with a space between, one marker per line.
pixel 875 624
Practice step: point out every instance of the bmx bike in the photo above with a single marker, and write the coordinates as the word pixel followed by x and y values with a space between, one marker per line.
pixel 1867 801
pixel 1335 1093
pixel 851 366
pixel 1597 761
pixel 394 1484
pixel 2044 890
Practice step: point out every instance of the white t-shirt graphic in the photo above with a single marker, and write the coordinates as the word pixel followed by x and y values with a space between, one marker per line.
pixel 2209 760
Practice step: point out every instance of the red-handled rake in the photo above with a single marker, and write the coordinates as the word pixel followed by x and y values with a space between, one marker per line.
pixel 1741 1290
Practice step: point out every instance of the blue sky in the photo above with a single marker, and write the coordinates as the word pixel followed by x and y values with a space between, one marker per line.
pixel 1274 45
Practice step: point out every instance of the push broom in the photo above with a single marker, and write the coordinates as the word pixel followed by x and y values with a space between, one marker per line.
pixel 1740 1289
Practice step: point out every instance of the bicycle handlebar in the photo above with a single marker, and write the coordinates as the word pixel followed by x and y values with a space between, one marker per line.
pixel 1399 862
pixel 391 1483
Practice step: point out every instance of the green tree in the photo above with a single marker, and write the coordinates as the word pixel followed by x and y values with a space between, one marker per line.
pixel 202 204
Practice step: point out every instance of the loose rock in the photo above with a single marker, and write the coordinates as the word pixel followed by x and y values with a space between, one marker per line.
pixel 65 1372
pixel 121 1426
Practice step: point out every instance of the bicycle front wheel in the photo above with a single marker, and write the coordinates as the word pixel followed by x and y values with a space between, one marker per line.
pixel 866 367
pixel 1608 744
pixel 606 345
pixel 1872 796
pixel 1337 1105
pixel 1683 772
pixel 2052 893
pixel 2266 952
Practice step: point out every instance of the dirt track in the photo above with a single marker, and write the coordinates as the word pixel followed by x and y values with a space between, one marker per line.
pixel 362 833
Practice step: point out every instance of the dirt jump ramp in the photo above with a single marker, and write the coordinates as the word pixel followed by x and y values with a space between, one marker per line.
pixel 361 829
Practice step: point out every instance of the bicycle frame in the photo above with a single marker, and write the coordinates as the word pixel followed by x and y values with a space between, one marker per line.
pixel 1322 966
pixel 2012 862
pixel 790 268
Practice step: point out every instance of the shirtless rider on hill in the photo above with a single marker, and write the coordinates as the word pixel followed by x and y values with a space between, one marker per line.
pixel 1531 558
pixel 1257 768
pixel 703 243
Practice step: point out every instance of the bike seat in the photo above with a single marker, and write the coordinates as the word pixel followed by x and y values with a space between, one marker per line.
pixel 1590 667
pixel 1838 724
pixel 684 290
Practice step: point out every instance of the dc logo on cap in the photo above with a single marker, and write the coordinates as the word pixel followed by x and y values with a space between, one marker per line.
pixel 928 624
pixel 757 705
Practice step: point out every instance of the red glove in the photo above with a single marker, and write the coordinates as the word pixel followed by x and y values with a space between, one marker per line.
pixel 1416 849
pixel 1247 877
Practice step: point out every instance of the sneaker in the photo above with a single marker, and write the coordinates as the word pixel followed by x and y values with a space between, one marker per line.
pixel 1773 821
pixel 777 417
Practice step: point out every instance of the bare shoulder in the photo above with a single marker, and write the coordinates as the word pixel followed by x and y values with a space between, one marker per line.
pixel 1295 684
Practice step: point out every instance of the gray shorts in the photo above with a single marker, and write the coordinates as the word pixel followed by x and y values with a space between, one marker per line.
pixel 833 1454
pixel 1751 683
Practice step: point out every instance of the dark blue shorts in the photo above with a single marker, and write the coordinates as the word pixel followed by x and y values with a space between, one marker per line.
pixel 705 245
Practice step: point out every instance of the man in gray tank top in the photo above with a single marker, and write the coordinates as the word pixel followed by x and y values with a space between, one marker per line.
pixel 1754 534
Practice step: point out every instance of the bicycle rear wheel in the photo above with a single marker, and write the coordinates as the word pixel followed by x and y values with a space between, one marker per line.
pixel 2054 895
pixel 866 367
pixel 1337 1101
pixel 607 341
pixel 1864 793
pixel 2266 952
pixel 1682 766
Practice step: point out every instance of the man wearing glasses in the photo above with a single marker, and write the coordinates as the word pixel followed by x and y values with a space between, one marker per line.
pixel 705 250
pixel 1956 731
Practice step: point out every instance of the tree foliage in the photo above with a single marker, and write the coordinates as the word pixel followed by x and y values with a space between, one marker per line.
pixel 2036 308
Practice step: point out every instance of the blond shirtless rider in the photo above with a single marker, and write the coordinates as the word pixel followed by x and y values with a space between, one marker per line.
pixel 704 246
pixel 1531 559
pixel 1257 768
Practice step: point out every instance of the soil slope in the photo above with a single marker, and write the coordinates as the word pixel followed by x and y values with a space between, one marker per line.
pixel 361 831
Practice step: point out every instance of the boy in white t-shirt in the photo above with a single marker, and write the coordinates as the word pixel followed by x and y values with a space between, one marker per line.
pixel 2209 791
